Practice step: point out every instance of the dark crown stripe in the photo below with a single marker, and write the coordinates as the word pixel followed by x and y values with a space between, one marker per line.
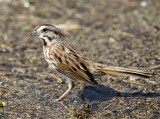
pixel 42 25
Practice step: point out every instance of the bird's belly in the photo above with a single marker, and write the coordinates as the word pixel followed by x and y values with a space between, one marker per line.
pixel 51 64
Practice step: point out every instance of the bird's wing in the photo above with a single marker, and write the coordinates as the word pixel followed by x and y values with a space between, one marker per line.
pixel 72 64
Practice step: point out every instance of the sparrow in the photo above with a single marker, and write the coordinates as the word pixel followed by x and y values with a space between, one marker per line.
pixel 72 65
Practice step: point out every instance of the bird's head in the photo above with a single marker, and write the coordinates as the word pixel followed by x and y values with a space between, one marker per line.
pixel 47 33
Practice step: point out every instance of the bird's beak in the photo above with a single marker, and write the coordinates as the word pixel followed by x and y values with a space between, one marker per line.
pixel 34 33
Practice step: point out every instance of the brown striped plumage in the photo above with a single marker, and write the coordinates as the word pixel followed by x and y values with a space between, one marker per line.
pixel 72 65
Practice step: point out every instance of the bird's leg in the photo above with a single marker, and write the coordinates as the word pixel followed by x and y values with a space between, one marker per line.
pixel 70 87
pixel 83 88
pixel 82 93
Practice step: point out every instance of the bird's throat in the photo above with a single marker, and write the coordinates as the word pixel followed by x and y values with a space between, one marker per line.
pixel 43 41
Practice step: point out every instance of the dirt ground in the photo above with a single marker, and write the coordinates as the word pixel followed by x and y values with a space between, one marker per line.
pixel 122 33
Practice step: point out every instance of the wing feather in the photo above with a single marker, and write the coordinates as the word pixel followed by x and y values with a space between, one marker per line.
pixel 71 64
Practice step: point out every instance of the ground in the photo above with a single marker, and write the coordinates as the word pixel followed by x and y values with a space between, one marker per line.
pixel 122 33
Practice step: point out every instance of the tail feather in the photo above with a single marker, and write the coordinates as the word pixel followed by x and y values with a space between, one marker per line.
pixel 103 70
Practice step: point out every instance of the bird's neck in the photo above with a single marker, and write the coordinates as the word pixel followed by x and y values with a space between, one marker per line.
pixel 47 41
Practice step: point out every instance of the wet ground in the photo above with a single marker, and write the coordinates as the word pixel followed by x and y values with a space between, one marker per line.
pixel 122 33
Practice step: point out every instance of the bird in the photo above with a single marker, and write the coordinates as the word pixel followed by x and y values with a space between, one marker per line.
pixel 71 64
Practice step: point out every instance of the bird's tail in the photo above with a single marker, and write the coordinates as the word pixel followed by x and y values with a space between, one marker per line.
pixel 100 69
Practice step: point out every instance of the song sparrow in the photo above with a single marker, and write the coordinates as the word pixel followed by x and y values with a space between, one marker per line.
pixel 71 64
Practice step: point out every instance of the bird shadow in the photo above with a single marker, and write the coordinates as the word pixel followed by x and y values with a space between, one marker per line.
pixel 105 93
pixel 94 97
pixel 98 98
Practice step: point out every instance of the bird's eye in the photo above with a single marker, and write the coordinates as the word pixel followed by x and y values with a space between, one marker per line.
pixel 44 30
